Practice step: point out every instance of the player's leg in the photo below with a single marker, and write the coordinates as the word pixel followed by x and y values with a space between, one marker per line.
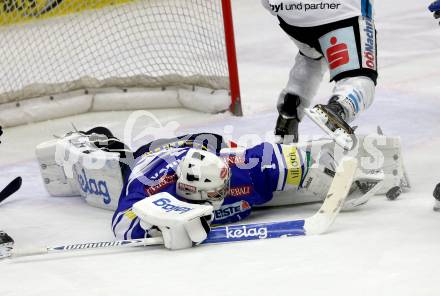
pixel 352 96
pixel 349 47
pixel 304 80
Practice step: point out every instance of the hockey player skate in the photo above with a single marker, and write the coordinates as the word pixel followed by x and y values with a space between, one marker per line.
pixel 6 244
pixel 331 119
pixel 287 124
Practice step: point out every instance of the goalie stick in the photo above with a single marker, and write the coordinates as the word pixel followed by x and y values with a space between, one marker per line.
pixel 314 225
pixel 12 187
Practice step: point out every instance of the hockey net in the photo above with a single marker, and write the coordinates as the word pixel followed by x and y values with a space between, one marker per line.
pixel 64 57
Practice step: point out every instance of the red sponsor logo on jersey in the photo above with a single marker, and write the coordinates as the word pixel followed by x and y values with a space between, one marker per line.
pixel 240 191
pixel 224 173
pixel 370 45
pixel 163 182
pixel 188 188
pixel 231 210
pixel 232 144
pixel 245 205
pixel 337 54
pixel 234 159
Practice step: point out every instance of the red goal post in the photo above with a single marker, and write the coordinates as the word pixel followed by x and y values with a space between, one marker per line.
pixel 236 107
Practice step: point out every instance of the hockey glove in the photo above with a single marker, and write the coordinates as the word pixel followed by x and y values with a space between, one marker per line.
pixel 182 224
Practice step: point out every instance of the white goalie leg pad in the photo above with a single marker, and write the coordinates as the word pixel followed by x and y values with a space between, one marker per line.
pixel 377 155
pixel 99 178
pixel 355 94
pixel 56 170
pixel 304 80
pixel 73 166
pixel 318 181
pixel 377 152
pixel 182 224
pixel 380 167
pixel 365 186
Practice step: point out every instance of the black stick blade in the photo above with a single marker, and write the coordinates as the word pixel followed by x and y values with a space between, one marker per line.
pixel 11 188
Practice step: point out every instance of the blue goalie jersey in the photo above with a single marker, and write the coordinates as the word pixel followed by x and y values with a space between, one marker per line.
pixel 256 173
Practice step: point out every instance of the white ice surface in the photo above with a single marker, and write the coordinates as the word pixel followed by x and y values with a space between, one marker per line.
pixel 385 248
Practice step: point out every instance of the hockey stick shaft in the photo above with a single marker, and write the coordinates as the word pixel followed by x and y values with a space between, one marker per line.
pixel 223 234
pixel 89 246
pixel 317 224
pixel 10 189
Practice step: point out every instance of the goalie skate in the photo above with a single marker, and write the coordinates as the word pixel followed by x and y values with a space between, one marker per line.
pixel 334 126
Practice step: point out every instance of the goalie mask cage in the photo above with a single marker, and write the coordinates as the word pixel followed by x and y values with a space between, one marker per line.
pixel 66 57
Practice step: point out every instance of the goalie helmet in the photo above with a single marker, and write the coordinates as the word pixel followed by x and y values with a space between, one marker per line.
pixel 203 176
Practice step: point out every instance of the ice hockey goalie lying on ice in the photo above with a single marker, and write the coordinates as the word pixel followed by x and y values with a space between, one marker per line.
pixel 201 172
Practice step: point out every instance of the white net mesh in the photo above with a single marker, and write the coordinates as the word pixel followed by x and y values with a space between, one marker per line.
pixel 76 44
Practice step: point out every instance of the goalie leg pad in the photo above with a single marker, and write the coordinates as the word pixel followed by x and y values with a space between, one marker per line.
pixel 55 169
pixel 99 179
pixel 74 165
pixel 380 152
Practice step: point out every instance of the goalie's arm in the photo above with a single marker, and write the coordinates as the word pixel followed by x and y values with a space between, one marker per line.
pixel 125 223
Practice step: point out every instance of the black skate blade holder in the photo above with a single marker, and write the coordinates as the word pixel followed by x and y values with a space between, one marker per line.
pixel 334 127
